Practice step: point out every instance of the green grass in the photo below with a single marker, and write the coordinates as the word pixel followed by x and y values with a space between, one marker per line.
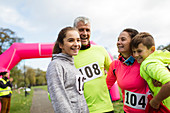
pixel 22 104
pixel 42 87
pixel 118 107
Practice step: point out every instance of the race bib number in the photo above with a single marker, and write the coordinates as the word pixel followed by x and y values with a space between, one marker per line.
pixel 80 83
pixel 135 100
pixel 91 71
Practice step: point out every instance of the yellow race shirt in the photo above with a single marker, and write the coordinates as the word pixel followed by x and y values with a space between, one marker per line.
pixel 91 63
pixel 154 67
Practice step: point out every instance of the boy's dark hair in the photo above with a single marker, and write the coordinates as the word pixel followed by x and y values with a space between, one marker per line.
pixel 3 73
pixel 145 38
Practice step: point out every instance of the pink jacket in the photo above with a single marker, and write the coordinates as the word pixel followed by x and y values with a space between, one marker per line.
pixel 134 87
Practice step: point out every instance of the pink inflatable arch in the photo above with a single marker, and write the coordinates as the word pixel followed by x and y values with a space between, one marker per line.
pixel 20 51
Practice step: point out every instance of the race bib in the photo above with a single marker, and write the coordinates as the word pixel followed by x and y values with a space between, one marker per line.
pixel 135 100
pixel 80 83
pixel 91 71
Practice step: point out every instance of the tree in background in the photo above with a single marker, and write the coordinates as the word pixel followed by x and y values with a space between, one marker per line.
pixel 161 47
pixel 7 38
pixel 30 76
pixel 40 77
pixel 18 77
pixel 33 77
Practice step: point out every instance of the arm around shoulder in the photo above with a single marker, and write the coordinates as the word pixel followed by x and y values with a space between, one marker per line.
pixel 163 94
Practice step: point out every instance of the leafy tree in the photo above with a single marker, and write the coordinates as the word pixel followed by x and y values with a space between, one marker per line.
pixel 40 80
pixel 30 75
pixel 38 72
pixel 161 47
pixel 167 47
pixel 40 77
pixel 17 76
pixel 7 38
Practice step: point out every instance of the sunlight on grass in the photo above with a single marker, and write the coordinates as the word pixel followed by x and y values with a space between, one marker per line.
pixel 42 87
pixel 20 103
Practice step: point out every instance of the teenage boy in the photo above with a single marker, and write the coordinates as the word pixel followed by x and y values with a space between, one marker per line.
pixel 154 67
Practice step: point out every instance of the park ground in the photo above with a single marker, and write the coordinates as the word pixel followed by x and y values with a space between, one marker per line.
pixel 37 102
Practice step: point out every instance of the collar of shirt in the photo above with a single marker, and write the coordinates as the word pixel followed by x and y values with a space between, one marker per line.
pixel 128 61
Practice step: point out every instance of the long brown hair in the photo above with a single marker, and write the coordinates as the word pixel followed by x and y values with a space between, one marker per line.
pixel 131 32
pixel 61 36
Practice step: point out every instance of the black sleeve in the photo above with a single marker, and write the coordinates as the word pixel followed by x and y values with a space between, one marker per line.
pixel 2 85
pixel 10 84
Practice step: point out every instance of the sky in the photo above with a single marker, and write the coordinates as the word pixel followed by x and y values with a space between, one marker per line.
pixel 39 21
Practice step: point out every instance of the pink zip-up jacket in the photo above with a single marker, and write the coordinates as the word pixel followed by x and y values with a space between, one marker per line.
pixel 134 87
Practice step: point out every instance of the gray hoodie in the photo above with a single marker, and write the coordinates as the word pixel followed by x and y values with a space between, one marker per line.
pixel 61 80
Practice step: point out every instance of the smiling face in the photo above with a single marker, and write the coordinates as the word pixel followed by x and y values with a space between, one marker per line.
pixel 123 44
pixel 71 43
pixel 84 31
pixel 142 52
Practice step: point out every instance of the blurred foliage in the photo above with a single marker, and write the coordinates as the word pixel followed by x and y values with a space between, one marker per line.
pixel 29 77
pixel 40 77
pixel 161 47
pixel 7 38
pixel 20 104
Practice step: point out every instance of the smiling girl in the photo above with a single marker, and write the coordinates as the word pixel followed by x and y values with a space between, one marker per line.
pixel 65 82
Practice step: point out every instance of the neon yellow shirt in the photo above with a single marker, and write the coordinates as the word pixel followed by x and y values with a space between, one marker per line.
pixel 95 89
pixel 153 67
